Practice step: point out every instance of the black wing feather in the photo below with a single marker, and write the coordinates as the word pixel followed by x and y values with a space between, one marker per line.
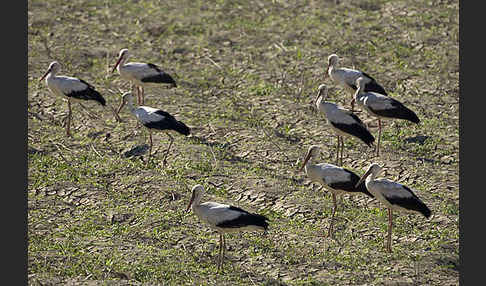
pixel 160 77
pixel 245 219
pixel 410 203
pixel 357 130
pixel 349 186
pixel 168 123
pixel 398 111
pixel 87 94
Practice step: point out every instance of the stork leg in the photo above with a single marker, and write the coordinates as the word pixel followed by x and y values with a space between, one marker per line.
pixel 342 149
pixel 390 225
pixel 151 143
pixel 68 125
pixel 331 225
pixel 221 255
pixel 352 104
pixel 168 149
pixel 337 150
pixel 138 94
pixel 224 250
pixel 142 95
pixel 379 138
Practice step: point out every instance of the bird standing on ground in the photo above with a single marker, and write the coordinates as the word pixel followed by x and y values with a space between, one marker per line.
pixel 336 179
pixel 347 78
pixel 224 218
pixel 342 121
pixel 140 74
pixel 393 195
pixel 71 88
pixel 154 118
pixel 381 106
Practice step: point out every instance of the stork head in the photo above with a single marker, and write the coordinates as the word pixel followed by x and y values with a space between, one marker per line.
pixel 331 62
pixel 374 169
pixel 126 97
pixel 321 93
pixel 362 81
pixel 312 152
pixel 332 59
pixel 54 67
pixel 123 55
pixel 197 191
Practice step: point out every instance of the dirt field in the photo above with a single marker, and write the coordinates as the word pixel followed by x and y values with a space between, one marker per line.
pixel 100 213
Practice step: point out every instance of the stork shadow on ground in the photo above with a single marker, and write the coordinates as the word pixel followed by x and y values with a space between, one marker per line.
pixel 136 151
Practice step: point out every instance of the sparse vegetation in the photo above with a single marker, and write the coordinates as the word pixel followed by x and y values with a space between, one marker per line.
pixel 247 73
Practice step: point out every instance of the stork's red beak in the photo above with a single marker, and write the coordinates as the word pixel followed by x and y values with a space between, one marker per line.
pixel 307 157
pixel 363 178
pixel 189 205
pixel 327 72
pixel 117 63
pixel 121 106
pixel 47 72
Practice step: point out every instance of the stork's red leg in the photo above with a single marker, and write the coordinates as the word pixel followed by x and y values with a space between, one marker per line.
pixel 68 126
pixel 220 251
pixel 379 137
pixel 337 150
pixel 331 225
pixel 142 95
pixel 390 225
pixel 342 149
pixel 168 149
pixel 151 143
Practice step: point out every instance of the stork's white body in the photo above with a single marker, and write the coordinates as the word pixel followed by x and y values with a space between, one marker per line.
pixel 344 122
pixel 326 175
pixel 224 218
pixel 135 72
pixel 336 179
pixel 337 115
pixel 64 85
pixel 154 118
pixel 141 74
pixel 394 196
pixel 374 101
pixel 381 106
pixel 345 77
pixel 71 89
pixel 213 214
pixel 383 190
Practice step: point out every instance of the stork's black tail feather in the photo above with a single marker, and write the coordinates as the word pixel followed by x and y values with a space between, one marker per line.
pixel 181 128
pixel 97 96
pixel 367 137
pixel 405 113
pixel 373 86
pixel 424 210
pixel 245 219
pixel 362 188
pixel 89 93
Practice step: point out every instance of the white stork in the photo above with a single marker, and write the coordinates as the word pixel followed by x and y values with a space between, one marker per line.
pixel 336 179
pixel 342 121
pixel 73 89
pixel 140 74
pixel 393 195
pixel 347 77
pixel 381 106
pixel 224 218
pixel 154 118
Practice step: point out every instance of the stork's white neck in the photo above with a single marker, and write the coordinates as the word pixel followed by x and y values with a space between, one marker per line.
pixel 358 92
pixel 130 104
pixel 372 176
